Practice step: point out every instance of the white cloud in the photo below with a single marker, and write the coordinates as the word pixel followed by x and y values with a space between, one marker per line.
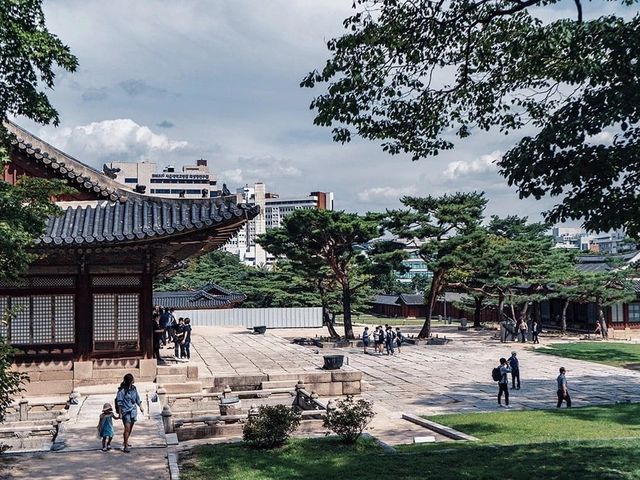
pixel 485 163
pixel 121 138
pixel 388 193
pixel 260 169
pixel 604 138
pixel 232 177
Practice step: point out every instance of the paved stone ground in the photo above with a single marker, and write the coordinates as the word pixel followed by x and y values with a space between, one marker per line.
pixel 422 379
pixel 81 457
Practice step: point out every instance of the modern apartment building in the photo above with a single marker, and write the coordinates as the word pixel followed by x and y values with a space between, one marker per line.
pixel 273 210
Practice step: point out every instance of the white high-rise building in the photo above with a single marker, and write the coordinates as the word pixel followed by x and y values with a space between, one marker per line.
pixel 273 210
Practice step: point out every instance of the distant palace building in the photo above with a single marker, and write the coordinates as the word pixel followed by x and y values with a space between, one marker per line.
pixel 84 307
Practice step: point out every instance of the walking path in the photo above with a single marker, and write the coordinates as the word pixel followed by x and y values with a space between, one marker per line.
pixel 81 457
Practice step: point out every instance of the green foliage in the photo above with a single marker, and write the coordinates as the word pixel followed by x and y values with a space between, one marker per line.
pixel 10 381
pixel 29 56
pixel 282 286
pixel 410 74
pixel 271 427
pixel 327 247
pixel 350 418
pixel 442 228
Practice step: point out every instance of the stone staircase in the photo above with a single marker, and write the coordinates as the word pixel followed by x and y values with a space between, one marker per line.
pixel 177 379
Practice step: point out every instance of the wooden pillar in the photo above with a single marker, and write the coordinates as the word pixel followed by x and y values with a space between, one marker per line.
pixel 625 314
pixel 146 310
pixel 84 313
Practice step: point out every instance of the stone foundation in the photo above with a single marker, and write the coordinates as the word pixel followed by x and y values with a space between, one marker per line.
pixel 60 378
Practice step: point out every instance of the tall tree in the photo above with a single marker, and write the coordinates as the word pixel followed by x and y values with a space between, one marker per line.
pixel 441 228
pixel 412 73
pixel 29 55
pixel 309 237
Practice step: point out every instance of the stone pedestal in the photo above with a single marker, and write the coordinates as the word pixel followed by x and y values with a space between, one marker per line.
pixel 148 368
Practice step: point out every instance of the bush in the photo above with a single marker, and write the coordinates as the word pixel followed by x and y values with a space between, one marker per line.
pixel 271 426
pixel 350 418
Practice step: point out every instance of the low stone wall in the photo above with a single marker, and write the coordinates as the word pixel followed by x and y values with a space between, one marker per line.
pixel 61 377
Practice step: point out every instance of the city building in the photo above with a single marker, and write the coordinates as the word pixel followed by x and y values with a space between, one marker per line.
pixel 273 210
pixel 416 266
pixel 192 181
pixel 613 242
pixel 85 304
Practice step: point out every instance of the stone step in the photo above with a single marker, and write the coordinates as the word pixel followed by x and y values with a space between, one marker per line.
pixel 186 387
pixel 279 384
pixel 164 379
pixel 172 370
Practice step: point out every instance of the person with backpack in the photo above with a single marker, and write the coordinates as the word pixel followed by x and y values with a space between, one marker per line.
pixel 515 371
pixel 127 403
pixel 500 375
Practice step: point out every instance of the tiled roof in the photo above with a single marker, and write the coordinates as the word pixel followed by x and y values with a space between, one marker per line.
pixel 385 299
pixel 141 219
pixel 411 299
pixel 64 166
pixel 198 299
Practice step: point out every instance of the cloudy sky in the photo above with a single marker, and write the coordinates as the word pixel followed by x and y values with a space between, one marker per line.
pixel 175 81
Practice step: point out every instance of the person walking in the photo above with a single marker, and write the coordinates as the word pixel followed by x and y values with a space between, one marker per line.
pixel 503 383
pixel 563 391
pixel 535 330
pixel 185 344
pixel 383 340
pixel 128 402
pixel 365 339
pixel 158 333
pixel 105 426
pixel 400 338
pixel 515 371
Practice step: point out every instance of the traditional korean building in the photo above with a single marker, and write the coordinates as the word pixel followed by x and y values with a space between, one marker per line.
pixel 87 302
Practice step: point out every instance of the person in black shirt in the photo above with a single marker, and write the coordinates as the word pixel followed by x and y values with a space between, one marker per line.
pixel 185 348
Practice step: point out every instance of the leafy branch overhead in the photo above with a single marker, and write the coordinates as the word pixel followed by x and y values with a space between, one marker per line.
pixel 420 75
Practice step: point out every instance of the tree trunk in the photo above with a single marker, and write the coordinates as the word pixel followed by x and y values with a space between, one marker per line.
pixel 500 307
pixel 425 332
pixel 602 320
pixel 563 319
pixel 329 322
pixel 477 312
pixel 524 310
pixel 346 311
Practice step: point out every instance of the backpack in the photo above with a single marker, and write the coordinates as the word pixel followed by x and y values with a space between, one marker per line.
pixel 496 374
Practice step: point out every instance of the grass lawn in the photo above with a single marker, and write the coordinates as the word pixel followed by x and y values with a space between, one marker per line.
pixel 609 353
pixel 535 426
pixel 567 444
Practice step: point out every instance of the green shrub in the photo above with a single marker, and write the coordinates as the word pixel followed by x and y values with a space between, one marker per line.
pixel 349 418
pixel 271 426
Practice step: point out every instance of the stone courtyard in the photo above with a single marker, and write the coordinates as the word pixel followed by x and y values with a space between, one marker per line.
pixel 422 379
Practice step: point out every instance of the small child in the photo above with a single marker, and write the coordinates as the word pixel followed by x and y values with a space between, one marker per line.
pixel 105 426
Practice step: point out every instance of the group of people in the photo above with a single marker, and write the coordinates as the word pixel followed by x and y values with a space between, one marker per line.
pixel 385 339
pixel 512 366
pixel 127 402
pixel 519 330
pixel 168 328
